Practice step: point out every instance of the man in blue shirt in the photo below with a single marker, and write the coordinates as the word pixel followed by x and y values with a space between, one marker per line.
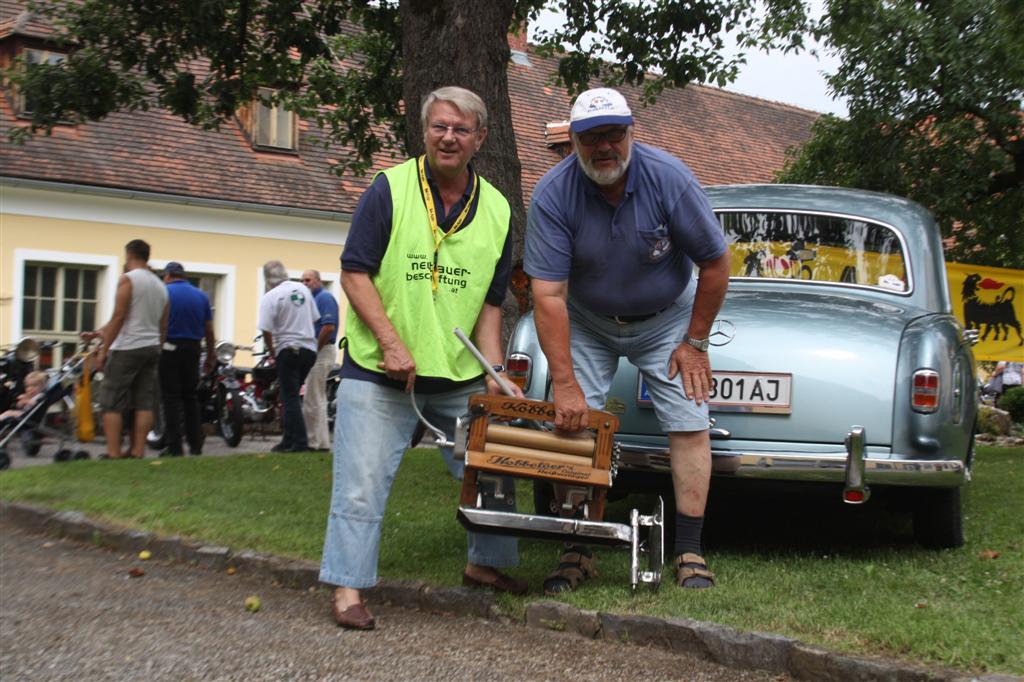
pixel 314 400
pixel 189 321
pixel 613 233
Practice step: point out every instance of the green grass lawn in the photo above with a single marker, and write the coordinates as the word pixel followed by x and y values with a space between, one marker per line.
pixel 847 578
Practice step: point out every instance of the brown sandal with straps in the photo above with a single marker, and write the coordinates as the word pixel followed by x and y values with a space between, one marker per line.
pixel 574 566
pixel 686 572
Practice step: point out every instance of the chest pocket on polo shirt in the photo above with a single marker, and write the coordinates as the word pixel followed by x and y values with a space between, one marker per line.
pixel 655 242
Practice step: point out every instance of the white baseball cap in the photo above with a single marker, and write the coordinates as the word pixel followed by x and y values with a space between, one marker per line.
pixel 599 107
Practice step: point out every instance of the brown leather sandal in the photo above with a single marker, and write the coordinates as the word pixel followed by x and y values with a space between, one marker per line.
pixel 690 566
pixel 574 566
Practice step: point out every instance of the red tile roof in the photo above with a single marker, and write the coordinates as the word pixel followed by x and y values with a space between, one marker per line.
pixel 723 137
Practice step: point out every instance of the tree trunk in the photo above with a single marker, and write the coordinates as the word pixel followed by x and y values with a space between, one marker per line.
pixel 458 42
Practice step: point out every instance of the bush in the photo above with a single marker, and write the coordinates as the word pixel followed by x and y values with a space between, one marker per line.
pixel 1013 402
pixel 993 421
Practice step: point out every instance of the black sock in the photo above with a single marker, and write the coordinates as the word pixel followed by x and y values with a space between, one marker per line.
pixel 688 531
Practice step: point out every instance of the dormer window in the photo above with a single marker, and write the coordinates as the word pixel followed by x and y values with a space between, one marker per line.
pixel 32 57
pixel 269 127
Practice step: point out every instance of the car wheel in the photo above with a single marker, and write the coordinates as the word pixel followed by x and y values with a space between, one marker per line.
pixel 229 416
pixel 544 498
pixel 938 518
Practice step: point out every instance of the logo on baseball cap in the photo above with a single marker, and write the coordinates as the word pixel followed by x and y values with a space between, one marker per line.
pixel 599 107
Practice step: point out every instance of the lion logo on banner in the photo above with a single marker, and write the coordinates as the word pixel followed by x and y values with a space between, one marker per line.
pixel 995 316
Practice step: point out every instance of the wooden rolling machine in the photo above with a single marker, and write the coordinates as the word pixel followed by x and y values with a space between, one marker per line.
pixel 583 468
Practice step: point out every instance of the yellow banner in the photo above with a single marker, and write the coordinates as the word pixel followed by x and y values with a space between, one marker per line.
pixel 990 300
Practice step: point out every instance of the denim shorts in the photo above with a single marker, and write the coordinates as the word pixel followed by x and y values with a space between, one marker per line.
pixel 130 379
pixel 598 342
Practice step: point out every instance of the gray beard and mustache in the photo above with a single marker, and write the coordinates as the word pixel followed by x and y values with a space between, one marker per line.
pixel 606 177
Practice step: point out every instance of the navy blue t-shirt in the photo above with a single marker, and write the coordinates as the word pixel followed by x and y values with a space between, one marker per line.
pixel 367 242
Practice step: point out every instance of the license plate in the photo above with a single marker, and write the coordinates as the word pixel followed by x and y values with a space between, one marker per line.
pixel 742 392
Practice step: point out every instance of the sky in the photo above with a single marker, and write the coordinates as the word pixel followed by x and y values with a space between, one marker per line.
pixel 792 79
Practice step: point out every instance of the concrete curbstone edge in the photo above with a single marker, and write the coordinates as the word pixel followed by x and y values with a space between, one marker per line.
pixel 722 644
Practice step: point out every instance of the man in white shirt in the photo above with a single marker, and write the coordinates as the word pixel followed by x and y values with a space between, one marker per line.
pixel 286 318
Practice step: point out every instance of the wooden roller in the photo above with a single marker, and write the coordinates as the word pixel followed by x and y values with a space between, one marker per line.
pixel 515 451
pixel 541 440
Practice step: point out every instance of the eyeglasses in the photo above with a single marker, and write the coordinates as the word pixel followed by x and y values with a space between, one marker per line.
pixel 440 130
pixel 592 139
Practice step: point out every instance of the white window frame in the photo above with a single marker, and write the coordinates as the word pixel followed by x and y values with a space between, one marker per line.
pixel 106 290
pixel 224 303
pixel 46 57
pixel 262 115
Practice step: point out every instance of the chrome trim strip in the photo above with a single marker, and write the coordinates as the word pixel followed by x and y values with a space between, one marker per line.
pixel 545 527
pixel 805 467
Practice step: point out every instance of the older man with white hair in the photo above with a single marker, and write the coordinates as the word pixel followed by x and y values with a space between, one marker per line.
pixel 286 318
pixel 613 234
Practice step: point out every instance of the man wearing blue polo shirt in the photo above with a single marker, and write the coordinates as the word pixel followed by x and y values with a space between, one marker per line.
pixel 314 399
pixel 613 233
pixel 189 321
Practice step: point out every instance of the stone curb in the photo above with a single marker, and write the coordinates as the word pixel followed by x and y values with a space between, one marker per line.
pixel 709 641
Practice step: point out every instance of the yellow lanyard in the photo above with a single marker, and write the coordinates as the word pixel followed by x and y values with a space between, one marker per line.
pixel 435 230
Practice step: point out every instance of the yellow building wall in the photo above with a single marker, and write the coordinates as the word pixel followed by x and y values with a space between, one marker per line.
pixel 246 254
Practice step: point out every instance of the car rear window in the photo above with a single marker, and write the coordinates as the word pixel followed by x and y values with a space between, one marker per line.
pixel 815 247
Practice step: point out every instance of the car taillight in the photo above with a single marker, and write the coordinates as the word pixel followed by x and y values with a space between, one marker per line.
pixel 518 367
pixel 924 396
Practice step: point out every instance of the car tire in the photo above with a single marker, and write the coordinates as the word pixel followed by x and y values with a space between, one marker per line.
pixel 544 498
pixel 230 421
pixel 938 518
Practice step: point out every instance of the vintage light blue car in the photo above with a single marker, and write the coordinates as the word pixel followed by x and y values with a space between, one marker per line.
pixel 837 358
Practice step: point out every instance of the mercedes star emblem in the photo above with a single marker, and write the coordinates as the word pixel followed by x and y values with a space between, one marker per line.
pixel 722 332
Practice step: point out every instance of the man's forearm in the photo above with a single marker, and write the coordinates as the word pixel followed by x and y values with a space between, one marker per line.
pixel 552 322
pixel 365 300
pixel 325 336
pixel 712 283
pixel 487 334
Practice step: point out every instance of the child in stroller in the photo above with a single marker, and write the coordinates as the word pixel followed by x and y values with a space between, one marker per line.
pixel 29 417
pixel 35 382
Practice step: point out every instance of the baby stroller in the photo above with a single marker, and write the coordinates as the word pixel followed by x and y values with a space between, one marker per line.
pixel 49 416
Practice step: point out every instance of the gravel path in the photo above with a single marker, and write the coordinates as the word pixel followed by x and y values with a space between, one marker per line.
pixel 72 612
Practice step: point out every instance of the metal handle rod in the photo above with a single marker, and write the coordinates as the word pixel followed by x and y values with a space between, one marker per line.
pixel 441 439
pixel 505 388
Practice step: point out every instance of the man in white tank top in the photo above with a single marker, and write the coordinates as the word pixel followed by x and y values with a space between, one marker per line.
pixel 130 353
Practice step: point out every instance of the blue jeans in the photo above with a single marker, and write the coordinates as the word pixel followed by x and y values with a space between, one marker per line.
pixel 598 342
pixel 371 432
pixel 293 364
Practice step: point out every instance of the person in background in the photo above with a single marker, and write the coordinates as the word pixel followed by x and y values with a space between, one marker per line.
pixel 189 321
pixel 286 318
pixel 130 353
pixel 314 400
pixel 35 384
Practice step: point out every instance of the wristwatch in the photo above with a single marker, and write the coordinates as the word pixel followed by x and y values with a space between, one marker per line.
pixel 699 344
pixel 498 368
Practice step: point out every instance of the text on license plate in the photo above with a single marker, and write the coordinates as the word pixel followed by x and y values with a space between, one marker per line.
pixel 743 392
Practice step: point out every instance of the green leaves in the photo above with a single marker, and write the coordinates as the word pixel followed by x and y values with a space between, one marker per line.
pixel 934 92
pixel 666 43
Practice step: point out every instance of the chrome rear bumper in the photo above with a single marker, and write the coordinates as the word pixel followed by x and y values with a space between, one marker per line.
pixel 788 466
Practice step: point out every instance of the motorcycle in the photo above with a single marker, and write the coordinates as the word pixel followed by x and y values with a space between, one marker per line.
pixel 220 401
pixel 261 393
